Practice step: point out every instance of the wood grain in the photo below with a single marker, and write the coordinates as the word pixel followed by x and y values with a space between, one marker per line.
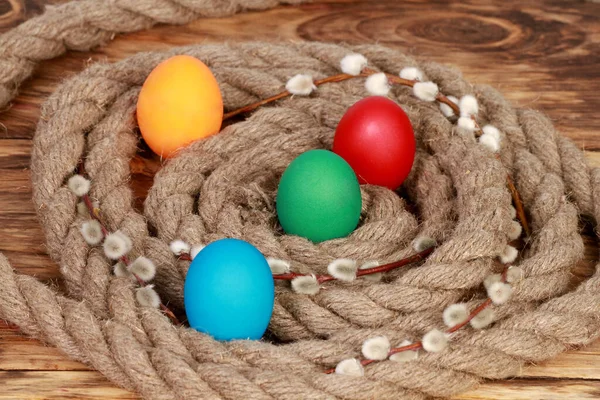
pixel 538 389
pixel 30 385
pixel 540 54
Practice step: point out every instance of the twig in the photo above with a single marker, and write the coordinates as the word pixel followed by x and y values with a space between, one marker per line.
pixel 338 78
pixel 285 93
pixel 185 257
pixel 368 271
pixel 361 272
pixel 518 205
pixel 95 214
pixel 419 345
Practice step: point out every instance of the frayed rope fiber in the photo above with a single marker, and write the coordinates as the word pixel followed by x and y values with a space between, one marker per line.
pixel 225 186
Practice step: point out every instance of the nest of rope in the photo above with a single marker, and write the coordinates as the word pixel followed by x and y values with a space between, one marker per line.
pixel 225 186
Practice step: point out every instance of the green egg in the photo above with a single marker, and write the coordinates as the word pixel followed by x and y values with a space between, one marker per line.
pixel 319 197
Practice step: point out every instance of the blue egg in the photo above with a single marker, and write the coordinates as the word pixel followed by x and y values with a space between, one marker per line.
pixel 229 291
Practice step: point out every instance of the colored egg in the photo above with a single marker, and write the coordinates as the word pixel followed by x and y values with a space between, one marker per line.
pixel 376 138
pixel 319 197
pixel 180 102
pixel 229 291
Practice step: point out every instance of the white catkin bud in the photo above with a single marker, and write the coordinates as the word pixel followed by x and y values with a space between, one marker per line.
pixel 411 73
pixel 197 248
pixel 301 85
pixel 483 318
pixel 508 255
pixel 278 266
pixel 513 212
pixel 350 367
pixel 446 109
pixel 147 296
pixel 491 279
pixel 434 341
pixel 468 106
pixel 515 230
pixel 343 269
pixel 377 84
pixel 353 64
pixel 306 284
pixel 120 270
pixel 376 348
pixel 455 314
pixel 116 245
pixel 492 131
pixel 426 91
pixel 371 277
pixel 404 356
pixel 179 247
pixel 78 185
pixel 126 239
pixel 466 123
pixel 144 268
pixel 490 142
pixel 499 292
pixel 514 274
pixel 421 243
pixel 92 232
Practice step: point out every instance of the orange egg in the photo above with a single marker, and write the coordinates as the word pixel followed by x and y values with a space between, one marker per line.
pixel 179 103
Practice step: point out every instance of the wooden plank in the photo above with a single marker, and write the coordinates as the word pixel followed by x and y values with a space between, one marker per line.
pixel 14 154
pixel 593 158
pixel 35 385
pixel 583 363
pixel 20 353
pixel 530 389
pixel 91 385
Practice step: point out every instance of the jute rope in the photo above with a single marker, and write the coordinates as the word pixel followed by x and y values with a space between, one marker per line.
pixel 224 186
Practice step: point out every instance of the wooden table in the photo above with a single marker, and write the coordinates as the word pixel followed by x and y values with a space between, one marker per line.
pixel 541 54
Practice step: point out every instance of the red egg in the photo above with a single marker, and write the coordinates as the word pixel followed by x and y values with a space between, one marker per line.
pixel 376 138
